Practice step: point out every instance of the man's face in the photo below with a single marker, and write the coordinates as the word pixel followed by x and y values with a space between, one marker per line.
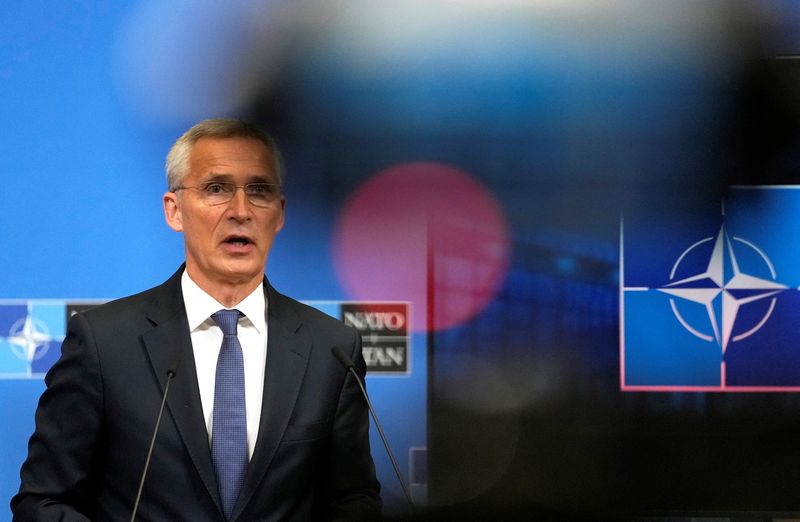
pixel 226 244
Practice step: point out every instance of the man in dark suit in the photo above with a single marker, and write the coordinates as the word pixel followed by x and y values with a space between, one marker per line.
pixel 294 443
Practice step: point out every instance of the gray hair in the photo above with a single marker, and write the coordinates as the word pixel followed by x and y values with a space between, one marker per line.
pixel 178 158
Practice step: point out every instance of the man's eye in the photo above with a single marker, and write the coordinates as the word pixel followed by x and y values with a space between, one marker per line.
pixel 215 188
pixel 259 189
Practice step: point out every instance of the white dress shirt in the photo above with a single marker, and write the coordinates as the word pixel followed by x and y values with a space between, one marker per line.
pixel 207 341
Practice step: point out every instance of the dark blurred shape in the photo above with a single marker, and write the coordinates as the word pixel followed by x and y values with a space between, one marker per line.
pixel 764 127
pixel 759 99
pixel 569 114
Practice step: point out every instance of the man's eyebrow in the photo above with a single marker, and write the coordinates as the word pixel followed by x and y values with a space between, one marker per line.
pixel 253 178
pixel 260 178
pixel 218 176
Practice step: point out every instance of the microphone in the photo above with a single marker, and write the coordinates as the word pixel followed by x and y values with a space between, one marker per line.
pixel 347 363
pixel 170 376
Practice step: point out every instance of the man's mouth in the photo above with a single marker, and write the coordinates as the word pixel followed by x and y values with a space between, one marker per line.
pixel 237 241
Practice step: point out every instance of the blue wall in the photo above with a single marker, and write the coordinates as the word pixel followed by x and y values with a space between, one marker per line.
pixel 563 116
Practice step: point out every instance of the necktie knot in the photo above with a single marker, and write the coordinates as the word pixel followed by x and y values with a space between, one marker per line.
pixel 227 320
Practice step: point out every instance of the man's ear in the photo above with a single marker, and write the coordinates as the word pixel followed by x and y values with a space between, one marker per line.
pixel 172 212
pixel 279 226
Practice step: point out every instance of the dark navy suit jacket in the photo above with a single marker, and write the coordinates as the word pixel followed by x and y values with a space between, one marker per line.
pixel 95 420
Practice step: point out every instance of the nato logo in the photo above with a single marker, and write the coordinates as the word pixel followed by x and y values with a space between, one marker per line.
pixel 710 301
pixel 384 334
pixel 31 333
pixel 384 329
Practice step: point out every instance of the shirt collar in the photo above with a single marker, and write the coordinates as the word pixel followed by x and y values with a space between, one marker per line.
pixel 200 305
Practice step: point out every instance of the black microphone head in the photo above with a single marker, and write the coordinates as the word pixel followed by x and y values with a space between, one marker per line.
pixel 174 364
pixel 342 357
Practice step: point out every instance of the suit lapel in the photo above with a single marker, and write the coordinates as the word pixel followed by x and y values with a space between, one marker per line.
pixel 288 350
pixel 169 347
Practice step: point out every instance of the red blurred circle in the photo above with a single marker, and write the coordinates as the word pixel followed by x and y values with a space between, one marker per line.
pixel 426 233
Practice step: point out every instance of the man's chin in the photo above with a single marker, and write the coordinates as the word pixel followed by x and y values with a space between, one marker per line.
pixel 236 271
pixel 243 274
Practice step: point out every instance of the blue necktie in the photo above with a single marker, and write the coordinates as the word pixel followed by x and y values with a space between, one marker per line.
pixel 229 425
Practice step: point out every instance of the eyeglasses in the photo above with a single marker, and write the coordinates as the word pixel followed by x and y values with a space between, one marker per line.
pixel 221 192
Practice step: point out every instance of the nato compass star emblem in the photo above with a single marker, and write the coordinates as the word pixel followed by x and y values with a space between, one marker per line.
pixel 709 302
pixel 29 338
pixel 30 332
pixel 724 289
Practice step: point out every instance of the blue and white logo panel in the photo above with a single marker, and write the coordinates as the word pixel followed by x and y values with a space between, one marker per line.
pixel 31 333
pixel 711 303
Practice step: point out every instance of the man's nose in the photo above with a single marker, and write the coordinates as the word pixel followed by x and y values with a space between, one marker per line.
pixel 239 204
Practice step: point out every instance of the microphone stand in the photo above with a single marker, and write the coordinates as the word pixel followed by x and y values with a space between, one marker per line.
pixel 170 375
pixel 345 361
